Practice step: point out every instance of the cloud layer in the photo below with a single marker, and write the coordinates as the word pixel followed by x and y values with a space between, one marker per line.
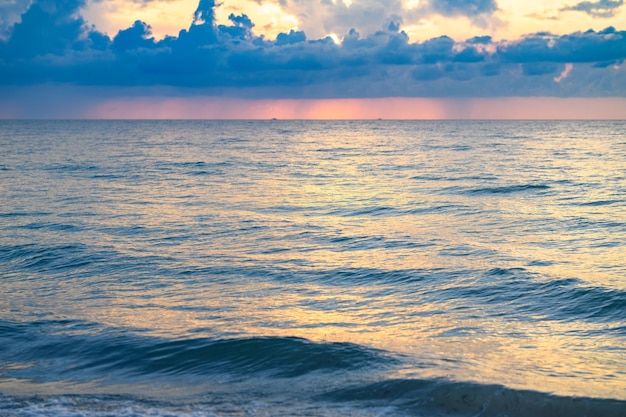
pixel 53 44
pixel 599 8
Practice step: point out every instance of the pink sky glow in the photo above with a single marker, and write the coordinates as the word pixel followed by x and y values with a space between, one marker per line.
pixel 385 108
pixel 77 103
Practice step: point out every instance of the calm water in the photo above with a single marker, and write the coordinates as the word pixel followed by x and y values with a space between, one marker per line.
pixel 288 268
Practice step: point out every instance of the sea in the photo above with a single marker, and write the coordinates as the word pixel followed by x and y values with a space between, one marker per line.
pixel 312 268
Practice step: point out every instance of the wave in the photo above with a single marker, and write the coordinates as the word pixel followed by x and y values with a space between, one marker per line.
pixel 72 167
pixel 566 299
pixel 78 356
pixel 446 398
pixel 509 291
pixel 34 256
pixel 274 356
pixel 509 189
pixel 390 211
pixel 50 226
pixel 394 397
pixel 197 168
pixel 601 203
pixel 260 361
pixel 25 214
pixel 65 260
pixel 457 178
pixel 52 258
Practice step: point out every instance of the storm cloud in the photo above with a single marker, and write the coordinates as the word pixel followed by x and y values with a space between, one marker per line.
pixel 53 44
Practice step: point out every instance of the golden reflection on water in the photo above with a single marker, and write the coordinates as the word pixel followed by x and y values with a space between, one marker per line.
pixel 343 195
pixel 533 357
pixel 332 205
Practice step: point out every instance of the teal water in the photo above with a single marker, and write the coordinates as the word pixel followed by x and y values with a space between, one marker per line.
pixel 312 268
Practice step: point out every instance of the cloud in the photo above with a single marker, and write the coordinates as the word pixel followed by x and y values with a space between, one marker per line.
pixel 10 12
pixel 464 7
pixel 365 16
pixel 54 45
pixel 142 3
pixel 47 27
pixel 540 68
pixel 563 75
pixel 479 12
pixel 590 46
pixel 600 8
pixel 135 37
pixel 370 16
pixel 290 38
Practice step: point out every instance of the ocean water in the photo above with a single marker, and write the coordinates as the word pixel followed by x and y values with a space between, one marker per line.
pixel 312 268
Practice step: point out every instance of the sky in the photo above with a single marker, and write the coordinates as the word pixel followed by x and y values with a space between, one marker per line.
pixel 313 59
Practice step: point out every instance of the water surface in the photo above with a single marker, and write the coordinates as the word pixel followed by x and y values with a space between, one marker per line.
pixel 235 268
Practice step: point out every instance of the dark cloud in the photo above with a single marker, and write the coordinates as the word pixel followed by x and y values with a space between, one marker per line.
pixel 290 38
pixel 464 7
pixel 204 13
pixel 52 44
pixel 480 40
pixel 541 68
pixel 135 37
pixel 437 50
pixel 600 8
pixel 47 27
pixel 590 46
pixel 427 73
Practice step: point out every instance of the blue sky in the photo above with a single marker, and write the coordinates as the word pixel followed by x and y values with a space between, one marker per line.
pixel 79 58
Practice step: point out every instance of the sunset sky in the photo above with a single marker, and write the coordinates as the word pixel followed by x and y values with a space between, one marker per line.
pixel 409 59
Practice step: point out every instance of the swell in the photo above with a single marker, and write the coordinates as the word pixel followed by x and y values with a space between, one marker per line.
pixel 273 356
pixel 429 397
pixel 555 299
pixel 517 188
pixel 91 355
pixel 510 291
pixel 514 292
pixel 67 259
pixel 40 258
pixel 390 397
